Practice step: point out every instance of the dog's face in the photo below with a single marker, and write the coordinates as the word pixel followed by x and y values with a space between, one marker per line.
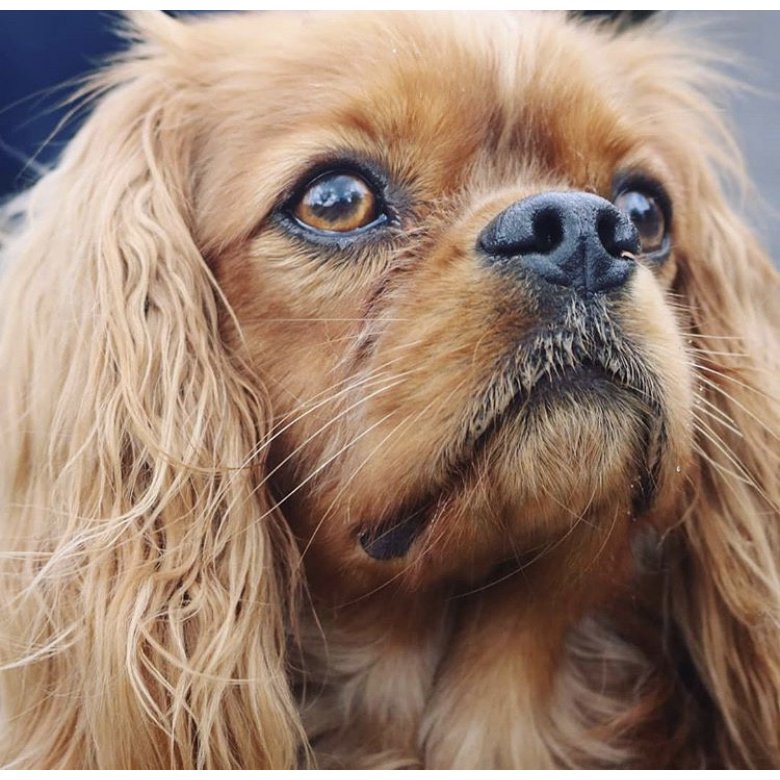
pixel 448 241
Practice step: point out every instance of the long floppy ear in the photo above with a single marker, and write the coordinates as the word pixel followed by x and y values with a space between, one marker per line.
pixel 726 592
pixel 723 590
pixel 146 586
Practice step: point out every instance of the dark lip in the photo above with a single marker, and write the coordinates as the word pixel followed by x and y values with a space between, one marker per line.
pixel 393 539
pixel 558 382
pixel 586 376
pixel 586 366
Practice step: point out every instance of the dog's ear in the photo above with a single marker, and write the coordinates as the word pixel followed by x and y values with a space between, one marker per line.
pixel 724 589
pixel 726 592
pixel 146 584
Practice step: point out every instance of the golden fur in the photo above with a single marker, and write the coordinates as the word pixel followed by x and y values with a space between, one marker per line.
pixel 201 412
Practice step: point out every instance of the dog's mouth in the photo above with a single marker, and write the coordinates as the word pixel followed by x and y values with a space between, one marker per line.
pixel 594 364
pixel 587 355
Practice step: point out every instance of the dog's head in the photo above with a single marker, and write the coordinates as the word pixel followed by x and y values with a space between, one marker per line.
pixel 453 280
pixel 412 296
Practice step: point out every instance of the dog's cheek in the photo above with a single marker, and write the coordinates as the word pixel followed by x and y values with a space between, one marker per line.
pixel 649 318
pixel 447 327
pixel 293 321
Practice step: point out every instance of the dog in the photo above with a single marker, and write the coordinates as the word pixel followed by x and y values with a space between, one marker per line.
pixel 390 390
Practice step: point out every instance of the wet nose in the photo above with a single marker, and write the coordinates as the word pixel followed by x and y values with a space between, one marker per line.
pixel 569 239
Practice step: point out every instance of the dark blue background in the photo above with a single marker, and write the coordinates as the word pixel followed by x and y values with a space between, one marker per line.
pixel 41 53
pixel 40 50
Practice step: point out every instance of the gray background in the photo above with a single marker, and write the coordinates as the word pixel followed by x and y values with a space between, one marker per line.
pixel 755 36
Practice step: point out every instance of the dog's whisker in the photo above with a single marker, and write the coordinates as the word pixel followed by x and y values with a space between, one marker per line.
pixel 710 337
pixel 347 483
pixel 431 540
pixel 715 387
pixel 375 372
pixel 349 356
pixel 714 353
pixel 379 447
pixel 742 474
pixel 729 377
pixel 394 382
pixel 347 380
pixel 716 413
pixel 330 319
pixel 311 475
pixel 377 377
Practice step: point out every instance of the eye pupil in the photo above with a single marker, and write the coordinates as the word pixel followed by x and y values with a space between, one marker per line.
pixel 334 197
pixel 337 203
pixel 647 216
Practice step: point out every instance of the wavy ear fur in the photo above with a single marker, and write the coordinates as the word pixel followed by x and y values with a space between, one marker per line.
pixel 726 596
pixel 698 681
pixel 145 585
pixel 723 590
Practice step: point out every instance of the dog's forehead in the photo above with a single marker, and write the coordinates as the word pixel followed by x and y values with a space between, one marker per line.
pixel 449 104
pixel 449 85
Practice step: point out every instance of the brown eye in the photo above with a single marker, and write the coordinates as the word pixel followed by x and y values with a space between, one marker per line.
pixel 648 217
pixel 337 203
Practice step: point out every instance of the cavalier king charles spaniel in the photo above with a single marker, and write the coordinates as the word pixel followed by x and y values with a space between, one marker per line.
pixel 390 390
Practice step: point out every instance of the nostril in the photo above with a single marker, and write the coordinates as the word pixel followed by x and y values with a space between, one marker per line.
pixel 547 231
pixel 616 232
pixel 606 227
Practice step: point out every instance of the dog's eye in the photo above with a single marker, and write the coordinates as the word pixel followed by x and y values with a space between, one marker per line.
pixel 647 214
pixel 337 203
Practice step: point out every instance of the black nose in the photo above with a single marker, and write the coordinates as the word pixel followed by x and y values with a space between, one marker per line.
pixel 571 239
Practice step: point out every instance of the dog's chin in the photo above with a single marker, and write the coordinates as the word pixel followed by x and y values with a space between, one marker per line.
pixel 579 442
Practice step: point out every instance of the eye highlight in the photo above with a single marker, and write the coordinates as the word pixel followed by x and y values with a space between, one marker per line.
pixel 338 202
pixel 647 217
pixel 647 206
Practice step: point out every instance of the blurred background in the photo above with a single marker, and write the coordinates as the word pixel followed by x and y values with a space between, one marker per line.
pixel 42 50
